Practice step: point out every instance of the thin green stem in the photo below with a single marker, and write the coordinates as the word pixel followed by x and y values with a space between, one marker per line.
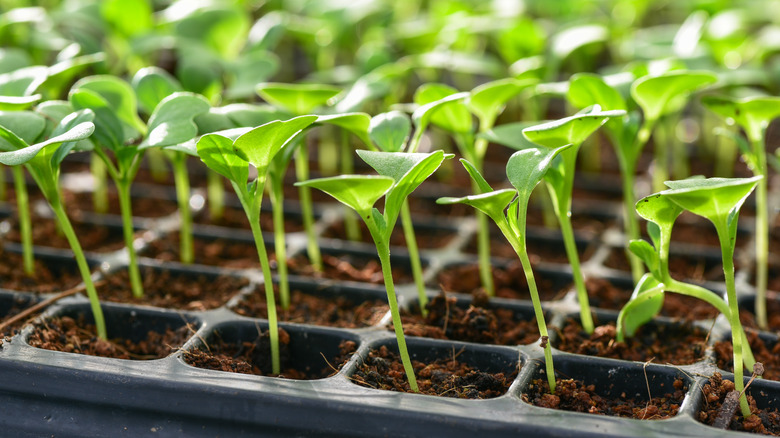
pixel 302 174
pixel 81 262
pixel 414 256
pixel 483 254
pixel 25 222
pixel 157 165
pixel 631 225
pixel 280 245
pixel 579 280
pixel 100 183
pixel 182 180
pixel 123 190
pixel 762 233
pixel 215 192
pixel 3 190
pixel 383 250
pixel 661 160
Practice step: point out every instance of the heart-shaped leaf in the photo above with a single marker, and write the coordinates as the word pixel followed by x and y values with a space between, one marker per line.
pixel 570 130
pixel 259 145
pixel 118 94
pixel 109 132
pixel 26 125
pixel 297 98
pixel 21 156
pixel 656 94
pixel 356 123
pixel 172 121
pixel 753 114
pixel 216 152
pixel 360 192
pixel 390 131
pixel 152 85
pixel 487 100
pixel 441 105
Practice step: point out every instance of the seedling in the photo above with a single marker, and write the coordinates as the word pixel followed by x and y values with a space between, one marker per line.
pixel 42 161
pixel 230 153
pixel 753 116
pixel 399 175
pixel 560 182
pixel 508 209
pixel 719 201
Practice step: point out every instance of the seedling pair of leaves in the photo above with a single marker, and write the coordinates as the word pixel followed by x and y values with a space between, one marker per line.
pixel 117 129
pixel 399 175
pixel 753 115
pixel 43 159
pixel 718 200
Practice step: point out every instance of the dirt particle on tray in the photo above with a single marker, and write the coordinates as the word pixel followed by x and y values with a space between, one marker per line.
pixel 715 392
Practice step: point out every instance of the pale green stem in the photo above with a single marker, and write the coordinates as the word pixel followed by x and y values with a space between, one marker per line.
pixel 579 280
pixel 762 233
pixel 182 181
pixel 383 250
pixel 100 184
pixel 302 174
pixel 414 256
pixel 631 225
pixel 483 254
pixel 123 190
pixel 25 222
pixel 157 164
pixel 280 246
pixel 3 191
pixel 81 262
pixel 661 160
pixel 216 195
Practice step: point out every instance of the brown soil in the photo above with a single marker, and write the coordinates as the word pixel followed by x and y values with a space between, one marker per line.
pixel 17 305
pixel 538 250
pixel 681 267
pixel 509 282
pixel 748 318
pixel 445 377
pixel 574 395
pixel 359 268
pixel 76 202
pixel 426 237
pixel 213 252
pixel 768 355
pixel 763 421
pixel 480 322
pixel 236 218
pixel 92 237
pixel 253 357
pixel 164 288
pixel 75 336
pixel 680 344
pixel 311 309
pixel 44 280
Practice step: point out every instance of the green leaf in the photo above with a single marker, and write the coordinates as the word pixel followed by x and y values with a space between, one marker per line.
pixel 441 105
pixel 259 145
pixel 152 85
pixel 127 17
pixel 568 40
pixel 109 132
pixel 216 152
pixel 26 125
pixel 642 307
pixel 66 125
pixel 492 203
pixel 297 98
pixel 526 168
pixel 487 100
pixel 360 192
pixel 22 82
pixel 753 114
pixel 586 89
pixel 249 70
pixel 510 135
pixel 390 131
pixel 482 184
pixel 172 122
pixel 659 209
pixel 570 130
pixel 647 254
pixel 356 123
pixel 656 94
pixel 221 29
pixel 21 156
pixel 118 94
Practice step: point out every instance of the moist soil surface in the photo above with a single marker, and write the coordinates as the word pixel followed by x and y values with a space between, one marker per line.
pixel 444 377
pixel 764 421
pixel 509 282
pixel 71 335
pixel 76 202
pixel 318 310
pixel 767 354
pixel 253 357
pixel 748 318
pixel 92 237
pixel 479 322
pixel 167 289
pixel 45 280
pixel 539 250
pixel 695 268
pixel 678 344
pixel 17 304
pixel 236 218
pixel 225 253
pixel 574 395
pixel 426 237
pixel 358 267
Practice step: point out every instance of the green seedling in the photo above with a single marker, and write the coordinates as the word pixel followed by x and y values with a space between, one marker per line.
pixel 42 161
pixel 719 201
pixel 301 99
pixel 560 182
pixel 230 153
pixel 659 96
pixel 508 208
pixel 753 116
pixel 399 175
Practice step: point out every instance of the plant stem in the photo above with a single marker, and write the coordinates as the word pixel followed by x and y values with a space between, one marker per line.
pixel 277 205
pixel 157 165
pixel 302 174
pixel 100 185
pixel 483 254
pixel 3 190
pixel 25 223
pixel 631 224
pixel 762 233
pixel 81 262
pixel 414 256
pixel 252 209
pixel 579 283
pixel 215 192
pixel 182 181
pixel 123 190
pixel 661 160
pixel 383 250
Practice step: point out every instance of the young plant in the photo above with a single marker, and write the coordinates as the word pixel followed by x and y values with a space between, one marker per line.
pixel 42 161
pixel 508 208
pixel 399 175
pixel 719 201
pixel 560 183
pixel 753 116
pixel 230 153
